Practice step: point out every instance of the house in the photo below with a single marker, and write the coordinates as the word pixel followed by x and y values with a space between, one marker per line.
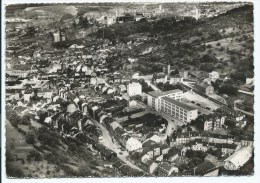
pixel 213 121
pixel 158 158
pixel 132 103
pixel 250 81
pixel 213 76
pixel 172 155
pixel 199 146
pixel 145 157
pixel 231 114
pixel 206 88
pixel 184 74
pixel 204 169
pixel 247 140
pixel 27 95
pixel 164 149
pixel 211 158
pixel 238 159
pixel 48 93
pixel 160 78
pixel 150 166
pixel 218 138
pixel 122 88
pixel 108 164
pixel 134 89
pixel 228 149
pixel 118 164
pixel 175 79
pixel 153 146
pixel 166 169
pixel 133 144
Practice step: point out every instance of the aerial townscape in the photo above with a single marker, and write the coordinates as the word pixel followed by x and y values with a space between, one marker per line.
pixel 129 89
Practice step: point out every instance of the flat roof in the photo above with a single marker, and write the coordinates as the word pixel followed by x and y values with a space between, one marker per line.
pixel 180 104
pixel 160 93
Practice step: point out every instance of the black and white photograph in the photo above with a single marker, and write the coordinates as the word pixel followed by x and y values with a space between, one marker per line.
pixel 128 89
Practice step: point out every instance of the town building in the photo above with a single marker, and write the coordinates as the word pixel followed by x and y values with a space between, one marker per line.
pixel 213 76
pixel 178 110
pixel 250 81
pixel 154 97
pixel 231 114
pixel 134 89
pixel 169 103
pixel 133 144
pixel 165 169
pixel 175 79
pixel 213 122
pixel 56 37
pixel 238 159
pixel 206 88
pixel 160 77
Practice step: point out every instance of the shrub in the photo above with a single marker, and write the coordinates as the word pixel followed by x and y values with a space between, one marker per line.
pixel 48 172
pixel 30 138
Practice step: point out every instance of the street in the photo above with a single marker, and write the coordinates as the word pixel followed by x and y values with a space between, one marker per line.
pixel 108 142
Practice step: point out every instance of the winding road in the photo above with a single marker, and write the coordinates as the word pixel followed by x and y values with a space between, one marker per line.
pixel 108 142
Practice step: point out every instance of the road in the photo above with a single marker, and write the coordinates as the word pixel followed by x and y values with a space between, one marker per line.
pixel 246 92
pixel 155 88
pixel 245 112
pixel 108 142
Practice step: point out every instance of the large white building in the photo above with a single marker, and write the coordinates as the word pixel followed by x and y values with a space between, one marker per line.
pixel 169 103
pixel 154 97
pixel 134 89
pixel 178 110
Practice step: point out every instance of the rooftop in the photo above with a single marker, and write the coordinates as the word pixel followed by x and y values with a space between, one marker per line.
pixel 240 157
pixel 157 94
pixel 180 104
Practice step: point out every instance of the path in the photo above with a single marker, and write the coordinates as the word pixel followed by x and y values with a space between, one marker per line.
pixel 108 142
pixel 245 112
pixel 246 92
pixel 155 88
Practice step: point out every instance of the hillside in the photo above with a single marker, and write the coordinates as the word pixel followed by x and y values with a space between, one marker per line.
pixel 228 38
pixel 33 150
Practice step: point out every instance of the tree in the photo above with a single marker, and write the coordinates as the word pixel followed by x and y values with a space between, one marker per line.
pixel 216 84
pixel 179 130
pixel 30 138
pixel 84 170
pixel 13 171
pixel 238 76
pixel 208 59
pixel 73 147
pixel 189 129
pixel 13 117
pixel 25 120
pixel 227 89
pixel 22 161
pixel 189 153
